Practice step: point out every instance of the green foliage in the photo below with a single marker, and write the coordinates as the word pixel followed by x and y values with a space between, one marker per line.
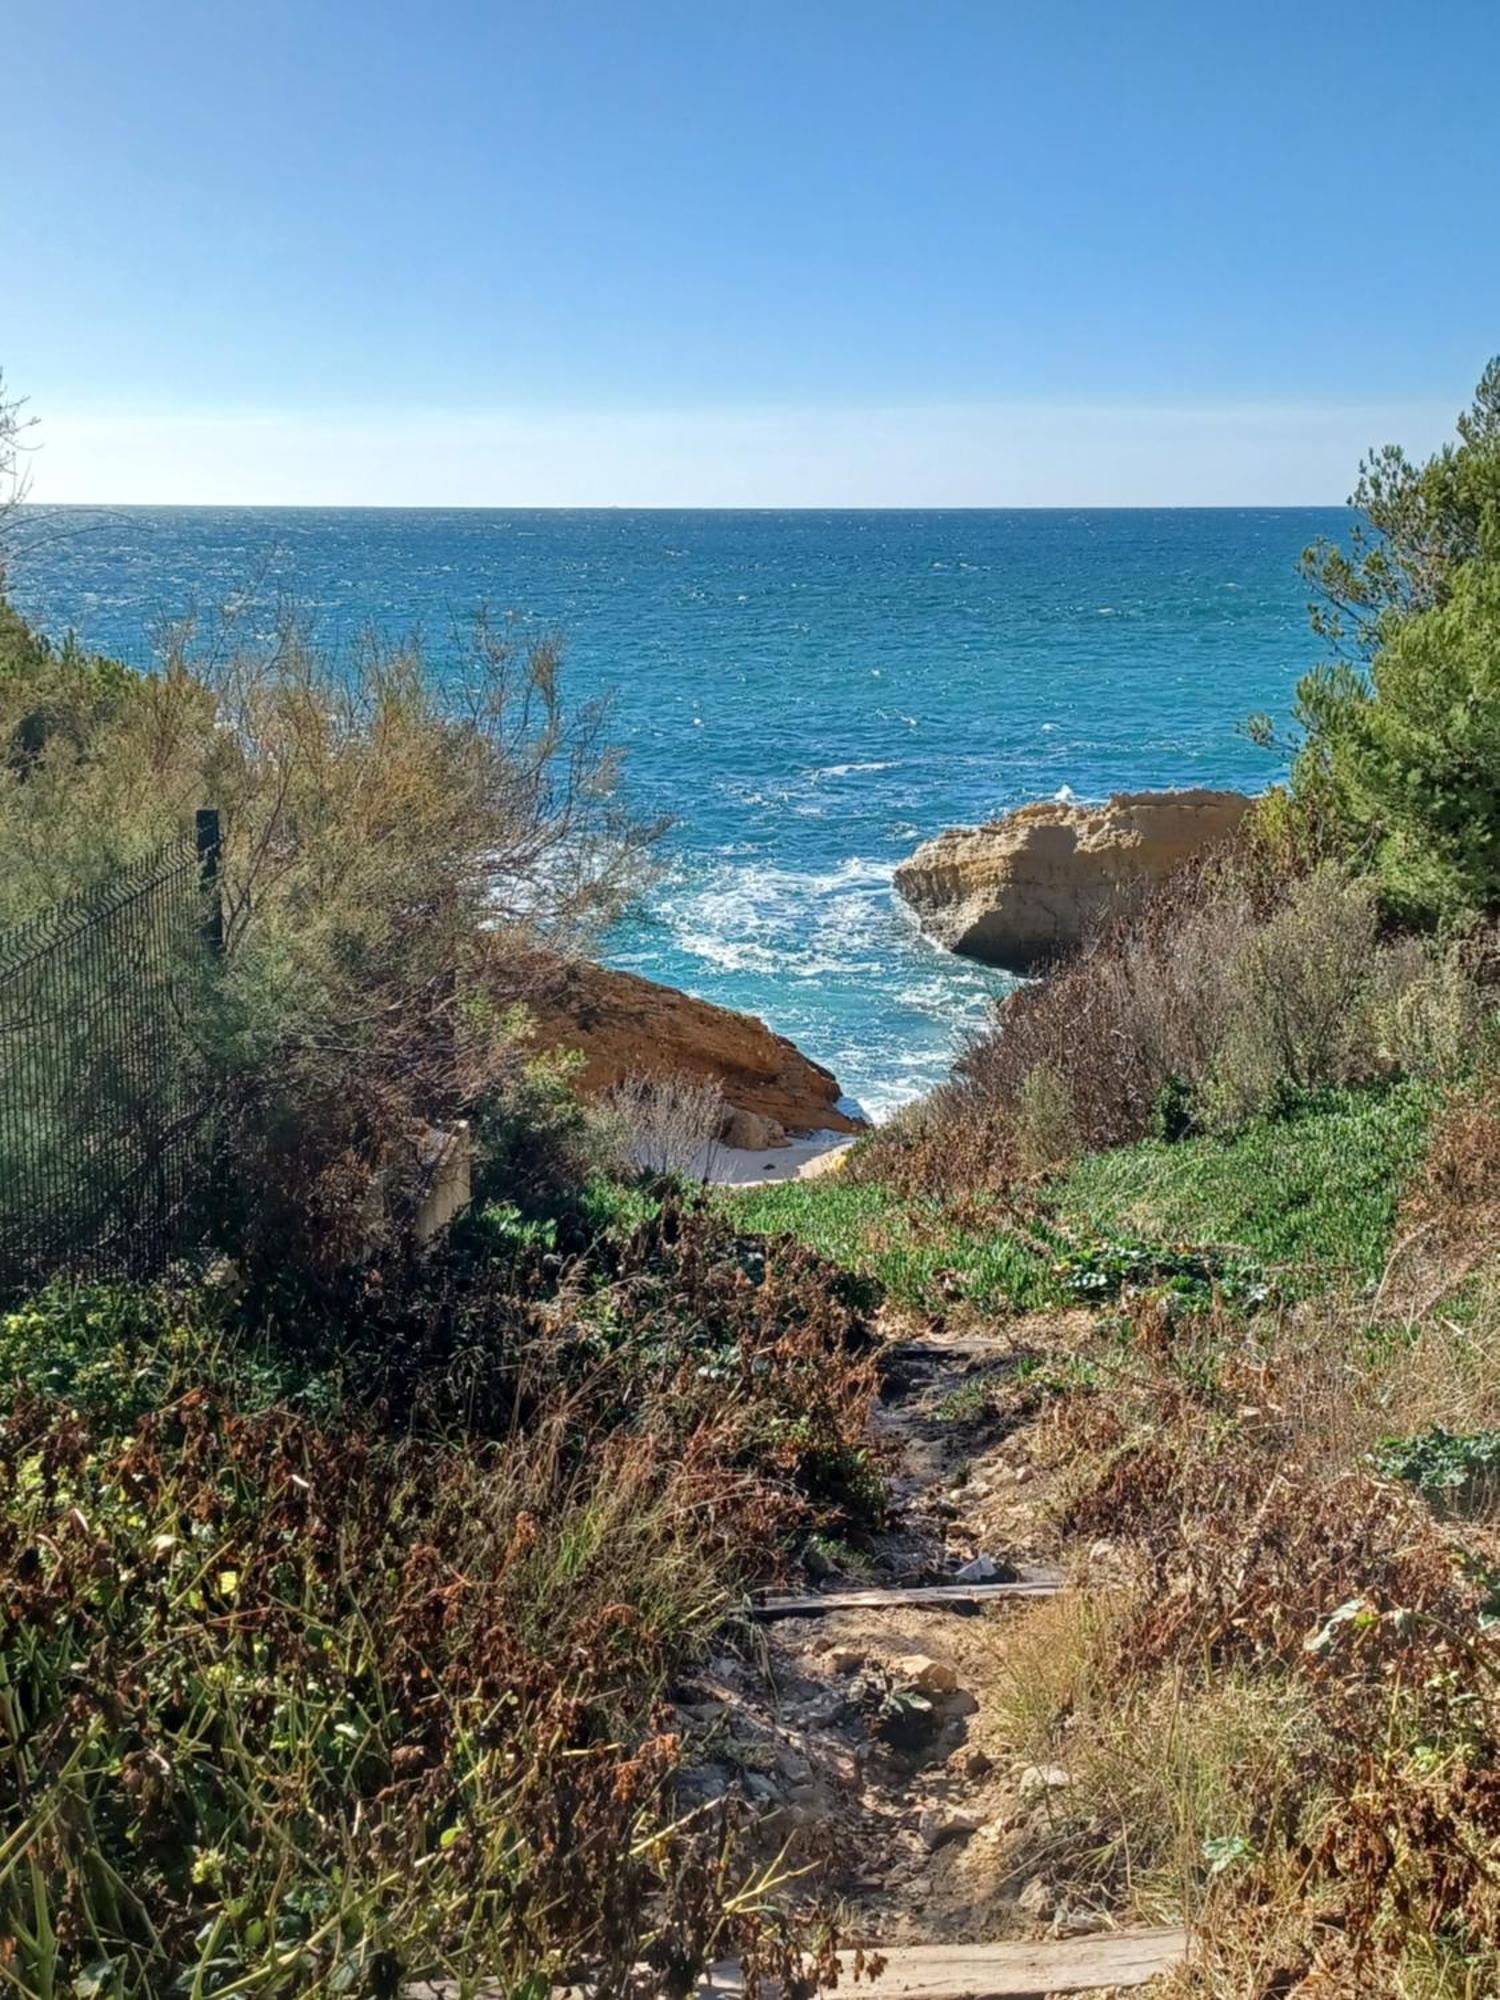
pixel 1312 1192
pixel 1398 765
pixel 1410 756
pixel 920 1252
pixel 1456 1468
pixel 116 1352
pixel 538 1143
pixel 1188 1277
pixel 1423 524
pixel 1174 1111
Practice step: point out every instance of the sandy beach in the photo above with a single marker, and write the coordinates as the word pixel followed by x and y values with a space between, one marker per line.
pixel 809 1154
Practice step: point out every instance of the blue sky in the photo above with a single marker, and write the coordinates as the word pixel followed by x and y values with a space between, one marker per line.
pixel 894 252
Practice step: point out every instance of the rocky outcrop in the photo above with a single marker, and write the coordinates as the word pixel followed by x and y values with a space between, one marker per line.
pixel 1025 888
pixel 628 1026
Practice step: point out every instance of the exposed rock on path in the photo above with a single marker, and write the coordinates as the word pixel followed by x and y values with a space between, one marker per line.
pixel 870 1727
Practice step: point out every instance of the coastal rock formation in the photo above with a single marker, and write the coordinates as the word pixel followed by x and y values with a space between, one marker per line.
pixel 628 1026
pixel 1026 887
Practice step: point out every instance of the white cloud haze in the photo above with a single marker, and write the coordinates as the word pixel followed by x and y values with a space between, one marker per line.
pixel 951 455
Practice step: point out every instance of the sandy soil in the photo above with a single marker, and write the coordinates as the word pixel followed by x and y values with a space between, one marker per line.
pixel 808 1154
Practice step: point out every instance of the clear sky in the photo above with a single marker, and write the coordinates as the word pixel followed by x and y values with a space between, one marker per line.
pixel 776 252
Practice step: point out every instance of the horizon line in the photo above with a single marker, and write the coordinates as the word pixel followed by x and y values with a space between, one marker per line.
pixel 706 507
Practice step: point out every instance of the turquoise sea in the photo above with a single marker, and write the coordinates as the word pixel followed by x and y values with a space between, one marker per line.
pixel 810 694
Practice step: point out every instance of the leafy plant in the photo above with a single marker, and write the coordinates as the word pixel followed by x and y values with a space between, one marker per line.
pixel 1191 1277
pixel 1457 1468
pixel 1397 763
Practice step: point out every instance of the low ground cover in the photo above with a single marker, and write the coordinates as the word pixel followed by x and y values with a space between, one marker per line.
pixel 1312 1192
pixel 326 1666
pixel 1306 1198
pixel 924 1254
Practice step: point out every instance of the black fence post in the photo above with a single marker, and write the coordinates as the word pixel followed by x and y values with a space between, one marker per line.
pixel 209 848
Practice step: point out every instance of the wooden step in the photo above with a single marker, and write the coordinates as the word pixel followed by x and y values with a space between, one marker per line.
pixel 997 1971
pixel 947 1971
pixel 932 1596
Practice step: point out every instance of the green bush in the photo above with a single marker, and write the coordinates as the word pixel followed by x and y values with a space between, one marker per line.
pixel 1191 1278
pixel 1459 1469
pixel 1398 759
pixel 1410 756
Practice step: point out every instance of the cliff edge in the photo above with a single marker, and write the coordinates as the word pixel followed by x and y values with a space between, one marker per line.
pixel 1025 888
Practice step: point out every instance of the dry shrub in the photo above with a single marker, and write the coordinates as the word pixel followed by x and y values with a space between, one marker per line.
pixel 1046 1122
pixel 318 1701
pixel 1294 999
pixel 1232 989
pixel 1144 1001
pixel 669 1125
pixel 1459 1188
pixel 402 840
pixel 1446 1228
pixel 1327 1621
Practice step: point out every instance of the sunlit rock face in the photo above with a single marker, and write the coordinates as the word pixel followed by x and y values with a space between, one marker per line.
pixel 1023 889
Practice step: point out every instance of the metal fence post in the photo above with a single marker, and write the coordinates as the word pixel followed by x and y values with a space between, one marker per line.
pixel 209 848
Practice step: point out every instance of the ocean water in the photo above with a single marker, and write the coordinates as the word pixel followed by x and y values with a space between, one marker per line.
pixel 809 694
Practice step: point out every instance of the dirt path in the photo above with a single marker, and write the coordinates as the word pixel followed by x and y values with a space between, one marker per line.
pixel 878 1742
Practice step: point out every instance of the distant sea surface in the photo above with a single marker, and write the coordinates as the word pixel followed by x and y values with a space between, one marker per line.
pixel 810 694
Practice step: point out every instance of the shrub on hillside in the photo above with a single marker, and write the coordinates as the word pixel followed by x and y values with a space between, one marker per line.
pixel 1410 755
pixel 1398 755
pixel 339 1670
pixel 1229 994
pixel 1294 998
pixel 399 844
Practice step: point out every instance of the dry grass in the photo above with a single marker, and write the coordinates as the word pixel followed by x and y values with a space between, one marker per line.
pixel 1165 1775
pixel 670 1125
pixel 1286 1722
pixel 1232 991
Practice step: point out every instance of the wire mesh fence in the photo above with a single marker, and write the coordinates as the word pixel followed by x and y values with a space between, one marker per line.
pixel 105 1110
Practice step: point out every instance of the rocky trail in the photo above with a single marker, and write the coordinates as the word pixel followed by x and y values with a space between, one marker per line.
pixel 868 1722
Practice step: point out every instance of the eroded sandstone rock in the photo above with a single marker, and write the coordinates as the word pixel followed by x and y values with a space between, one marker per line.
pixel 1025 888
pixel 628 1026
